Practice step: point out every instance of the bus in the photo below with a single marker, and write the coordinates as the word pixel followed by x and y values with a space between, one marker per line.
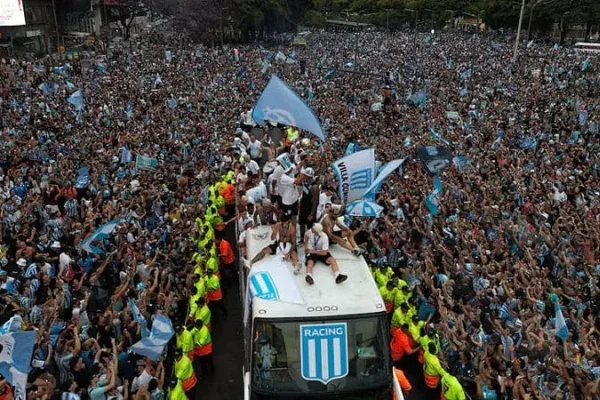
pixel 324 341
pixel 588 47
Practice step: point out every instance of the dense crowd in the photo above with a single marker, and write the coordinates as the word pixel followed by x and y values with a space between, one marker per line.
pixel 516 237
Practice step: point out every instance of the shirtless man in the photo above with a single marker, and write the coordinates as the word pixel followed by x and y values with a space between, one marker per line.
pixel 343 235
pixel 283 235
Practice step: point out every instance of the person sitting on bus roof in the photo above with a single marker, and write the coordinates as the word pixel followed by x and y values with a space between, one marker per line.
pixel 317 249
pixel 330 223
pixel 283 235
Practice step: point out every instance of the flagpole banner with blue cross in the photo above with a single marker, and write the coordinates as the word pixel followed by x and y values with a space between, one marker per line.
pixel 355 174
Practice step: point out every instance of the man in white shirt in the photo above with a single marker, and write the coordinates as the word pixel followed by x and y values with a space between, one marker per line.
pixel 255 149
pixel 317 249
pixel 251 166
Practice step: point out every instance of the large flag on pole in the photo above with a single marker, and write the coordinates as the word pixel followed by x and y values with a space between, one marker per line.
pixel 385 171
pixel 16 349
pixel 355 174
pixel 279 103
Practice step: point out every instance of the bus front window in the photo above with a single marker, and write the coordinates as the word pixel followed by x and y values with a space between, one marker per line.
pixel 278 365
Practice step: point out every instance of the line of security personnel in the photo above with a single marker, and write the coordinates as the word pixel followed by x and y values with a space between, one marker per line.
pixel 413 336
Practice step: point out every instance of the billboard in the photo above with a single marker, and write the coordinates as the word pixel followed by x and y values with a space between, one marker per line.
pixel 12 13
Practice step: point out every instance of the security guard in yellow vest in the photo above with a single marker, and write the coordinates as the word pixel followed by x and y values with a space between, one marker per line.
pixel 388 294
pixel 382 275
pixel 202 312
pixel 184 341
pixel 184 372
pixel 203 349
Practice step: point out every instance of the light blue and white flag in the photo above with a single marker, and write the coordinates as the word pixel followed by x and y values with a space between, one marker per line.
pixel 271 279
pixel 138 317
pixel 583 116
pixel 355 175
pixel 586 64
pixel 76 100
pixel 437 136
pixel 40 69
pixel 157 80
pixel 279 103
pixel 101 67
pixel 384 172
pixel 419 98
pixel 528 143
pixel 126 156
pixel 48 88
pixel 330 74
pixel 465 75
pixel 560 325
pixel 172 103
pixel 265 66
pixel 83 178
pixel 311 93
pixel 280 56
pixel 154 344
pixel 103 232
pixel 71 86
pixel 16 349
pixel 463 92
pixel 432 201
pixel 168 55
pixel 459 162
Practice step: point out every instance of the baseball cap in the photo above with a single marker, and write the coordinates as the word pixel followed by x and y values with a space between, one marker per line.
pixel 318 228
pixel 308 172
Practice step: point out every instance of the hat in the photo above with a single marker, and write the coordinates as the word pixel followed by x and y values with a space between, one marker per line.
pixel 55 245
pixel 308 172
pixel 318 228
pixel 22 262
pixel 285 162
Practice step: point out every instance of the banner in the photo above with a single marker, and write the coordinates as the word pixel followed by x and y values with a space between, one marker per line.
pixel 12 13
pixel 99 234
pixel 355 174
pixel 384 172
pixel 16 349
pixel 153 346
pixel 435 159
pixel 145 162
pixel 279 103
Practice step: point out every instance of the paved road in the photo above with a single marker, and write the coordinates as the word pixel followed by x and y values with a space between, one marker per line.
pixel 227 347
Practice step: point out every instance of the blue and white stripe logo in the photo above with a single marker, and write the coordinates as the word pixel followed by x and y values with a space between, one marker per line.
pixel 324 351
pixel 263 286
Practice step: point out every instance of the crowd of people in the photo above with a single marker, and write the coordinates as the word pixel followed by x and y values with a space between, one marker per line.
pixel 474 289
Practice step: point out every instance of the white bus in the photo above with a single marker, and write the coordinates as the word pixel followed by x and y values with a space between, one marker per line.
pixel 588 47
pixel 324 341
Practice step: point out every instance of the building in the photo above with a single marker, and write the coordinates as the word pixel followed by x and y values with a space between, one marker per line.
pixel 37 36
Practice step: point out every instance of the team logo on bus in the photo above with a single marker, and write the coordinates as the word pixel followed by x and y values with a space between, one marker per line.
pixel 324 351
pixel 263 286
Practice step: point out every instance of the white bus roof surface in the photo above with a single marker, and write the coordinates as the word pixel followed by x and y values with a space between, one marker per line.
pixel 325 299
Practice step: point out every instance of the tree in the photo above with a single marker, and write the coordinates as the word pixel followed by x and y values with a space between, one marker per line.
pixel 124 12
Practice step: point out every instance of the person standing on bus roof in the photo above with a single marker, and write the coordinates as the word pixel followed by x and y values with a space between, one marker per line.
pixel 317 249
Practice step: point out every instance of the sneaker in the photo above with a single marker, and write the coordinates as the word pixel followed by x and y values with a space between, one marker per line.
pixel 356 252
pixel 309 279
pixel 340 278
pixel 297 268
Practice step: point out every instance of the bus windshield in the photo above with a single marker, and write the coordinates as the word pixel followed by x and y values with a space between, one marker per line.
pixel 277 365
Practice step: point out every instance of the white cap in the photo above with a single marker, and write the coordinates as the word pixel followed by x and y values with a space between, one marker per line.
pixel 55 245
pixel 22 262
pixel 318 228
pixel 308 172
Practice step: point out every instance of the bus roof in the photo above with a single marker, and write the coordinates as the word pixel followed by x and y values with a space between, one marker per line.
pixel 357 296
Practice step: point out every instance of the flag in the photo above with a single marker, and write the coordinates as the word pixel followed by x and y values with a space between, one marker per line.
pixel 40 69
pixel 419 98
pixel 330 74
pixel 145 162
pixel 168 55
pixel 355 174
pixel 138 317
pixel 459 162
pixel 83 178
pixel 99 234
pixel 101 67
pixel 528 143
pixel 465 75
pixel 349 149
pixel 271 279
pixel 586 64
pixel 560 325
pixel 265 66
pixel 280 56
pixel 154 344
pixel 384 172
pixel 583 116
pixel 76 99
pixel 172 103
pixel 126 156
pixel 432 200
pixel 437 136
pixel 242 73
pixel 16 349
pixel 157 80
pixel 464 92
pixel 70 86
pixel 48 88
pixel 311 94
pixel 279 103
